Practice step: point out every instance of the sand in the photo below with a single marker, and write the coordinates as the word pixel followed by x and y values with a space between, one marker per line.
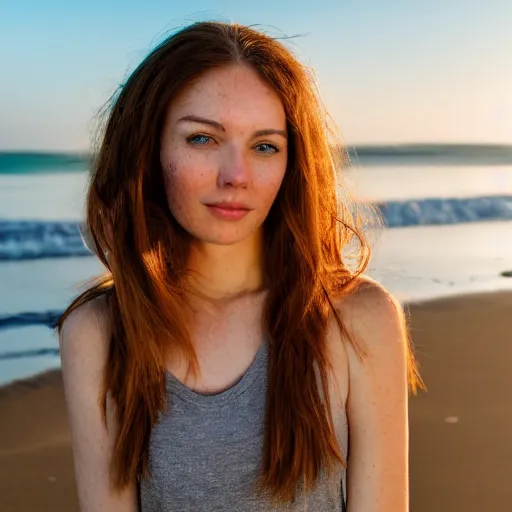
pixel 460 430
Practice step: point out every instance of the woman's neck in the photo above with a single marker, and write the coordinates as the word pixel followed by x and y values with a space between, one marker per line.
pixel 225 272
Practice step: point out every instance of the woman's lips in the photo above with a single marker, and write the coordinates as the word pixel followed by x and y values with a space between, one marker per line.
pixel 227 212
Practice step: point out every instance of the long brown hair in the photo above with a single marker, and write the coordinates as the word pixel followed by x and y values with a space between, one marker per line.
pixel 145 253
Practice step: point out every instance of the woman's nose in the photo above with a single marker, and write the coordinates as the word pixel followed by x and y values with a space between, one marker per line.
pixel 234 170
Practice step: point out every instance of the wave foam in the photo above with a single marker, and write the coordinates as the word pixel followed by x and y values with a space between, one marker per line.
pixel 24 240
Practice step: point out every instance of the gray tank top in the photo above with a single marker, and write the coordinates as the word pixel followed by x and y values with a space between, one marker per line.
pixel 205 453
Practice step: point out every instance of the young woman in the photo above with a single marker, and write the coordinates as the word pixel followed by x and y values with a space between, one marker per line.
pixel 231 359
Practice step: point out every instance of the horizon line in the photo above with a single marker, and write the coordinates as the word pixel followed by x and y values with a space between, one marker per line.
pixel 366 145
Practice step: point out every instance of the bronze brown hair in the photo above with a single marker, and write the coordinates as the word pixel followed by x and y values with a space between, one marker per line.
pixel 144 250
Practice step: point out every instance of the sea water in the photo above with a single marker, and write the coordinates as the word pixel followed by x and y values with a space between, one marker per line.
pixel 449 219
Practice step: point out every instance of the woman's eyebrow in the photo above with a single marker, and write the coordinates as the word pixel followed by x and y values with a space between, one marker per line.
pixel 202 120
pixel 270 131
pixel 218 126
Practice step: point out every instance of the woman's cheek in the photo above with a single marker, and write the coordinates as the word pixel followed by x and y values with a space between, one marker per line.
pixel 270 185
pixel 183 190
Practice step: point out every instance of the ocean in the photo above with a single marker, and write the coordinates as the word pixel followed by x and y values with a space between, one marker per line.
pixel 447 210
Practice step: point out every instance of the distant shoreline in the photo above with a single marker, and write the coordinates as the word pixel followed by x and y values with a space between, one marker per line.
pixel 37 161
pixel 409 147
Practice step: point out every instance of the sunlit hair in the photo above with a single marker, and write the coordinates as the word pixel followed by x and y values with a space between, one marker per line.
pixel 307 235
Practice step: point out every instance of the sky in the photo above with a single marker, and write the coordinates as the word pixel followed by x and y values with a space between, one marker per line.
pixel 392 71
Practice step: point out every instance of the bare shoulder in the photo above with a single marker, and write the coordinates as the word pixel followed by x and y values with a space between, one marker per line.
pixel 373 338
pixel 84 341
pixel 373 316
pixel 86 328
pixel 377 398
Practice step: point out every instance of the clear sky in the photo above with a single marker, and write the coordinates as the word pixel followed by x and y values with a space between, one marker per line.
pixel 389 71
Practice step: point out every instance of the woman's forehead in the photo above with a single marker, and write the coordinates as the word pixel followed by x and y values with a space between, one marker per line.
pixel 230 92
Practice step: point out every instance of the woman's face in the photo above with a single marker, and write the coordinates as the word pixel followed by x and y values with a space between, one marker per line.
pixel 223 154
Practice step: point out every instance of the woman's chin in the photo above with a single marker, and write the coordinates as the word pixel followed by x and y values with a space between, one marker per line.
pixel 225 237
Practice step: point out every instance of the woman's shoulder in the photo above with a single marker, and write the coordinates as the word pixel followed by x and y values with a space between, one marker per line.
pixel 84 341
pixel 371 313
pixel 371 322
pixel 86 327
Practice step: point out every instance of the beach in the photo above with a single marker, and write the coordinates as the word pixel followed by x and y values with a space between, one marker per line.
pixel 444 256
pixel 460 448
pixel 378 105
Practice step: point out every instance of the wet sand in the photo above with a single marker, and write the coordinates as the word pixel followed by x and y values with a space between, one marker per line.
pixel 460 443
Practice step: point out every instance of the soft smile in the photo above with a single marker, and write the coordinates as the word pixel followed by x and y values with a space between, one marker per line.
pixel 228 211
